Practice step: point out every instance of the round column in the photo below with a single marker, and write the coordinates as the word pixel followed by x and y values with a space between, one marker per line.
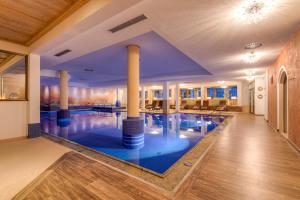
pixel 118 102
pixel 133 81
pixel 133 126
pixel 166 106
pixel 177 103
pixel 63 113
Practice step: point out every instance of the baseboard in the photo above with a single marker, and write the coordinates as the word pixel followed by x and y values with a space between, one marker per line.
pixel 293 145
pixel 12 139
pixel 287 139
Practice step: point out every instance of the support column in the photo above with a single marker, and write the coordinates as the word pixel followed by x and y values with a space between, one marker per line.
pixel 64 113
pixel 133 126
pixel 143 98
pixel 177 103
pixel 239 94
pixel 202 94
pixel 166 106
pixel 33 95
pixel 118 102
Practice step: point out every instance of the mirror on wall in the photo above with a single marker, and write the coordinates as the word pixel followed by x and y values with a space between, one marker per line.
pixel 13 75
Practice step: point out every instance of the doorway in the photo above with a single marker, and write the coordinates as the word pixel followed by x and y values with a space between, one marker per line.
pixel 252 100
pixel 283 103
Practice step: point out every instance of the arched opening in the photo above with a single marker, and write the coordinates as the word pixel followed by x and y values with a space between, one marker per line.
pixel 283 103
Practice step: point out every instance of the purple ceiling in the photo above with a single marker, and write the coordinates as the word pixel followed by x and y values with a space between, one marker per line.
pixel 158 58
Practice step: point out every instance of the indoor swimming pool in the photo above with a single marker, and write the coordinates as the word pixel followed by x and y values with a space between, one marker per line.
pixel 165 140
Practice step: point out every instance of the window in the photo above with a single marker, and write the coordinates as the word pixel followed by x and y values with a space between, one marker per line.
pixel 233 92
pixel 12 76
pixel 192 93
pixel 183 93
pixel 146 94
pixel 158 94
pixel 199 92
pixel 187 93
pixel 220 92
pixel 210 92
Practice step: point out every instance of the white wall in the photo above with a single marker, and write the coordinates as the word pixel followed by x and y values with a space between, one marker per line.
pixel 259 102
pixel 13 119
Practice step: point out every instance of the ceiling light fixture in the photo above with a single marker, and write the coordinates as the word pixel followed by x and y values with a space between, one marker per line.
pixel 250 72
pixel 253 45
pixel 251 58
pixel 253 11
pixel 250 78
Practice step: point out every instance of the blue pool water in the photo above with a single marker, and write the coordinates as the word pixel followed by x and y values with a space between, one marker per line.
pixel 166 139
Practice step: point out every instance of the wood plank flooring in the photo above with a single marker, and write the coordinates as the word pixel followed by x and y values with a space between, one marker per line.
pixel 249 161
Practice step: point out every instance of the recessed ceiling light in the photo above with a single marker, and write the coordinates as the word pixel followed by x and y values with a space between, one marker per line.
pixel 250 72
pixel 62 52
pixel 88 70
pixel 253 11
pixel 251 58
pixel 253 45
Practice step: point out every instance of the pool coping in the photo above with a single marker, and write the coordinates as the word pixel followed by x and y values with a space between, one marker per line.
pixel 172 179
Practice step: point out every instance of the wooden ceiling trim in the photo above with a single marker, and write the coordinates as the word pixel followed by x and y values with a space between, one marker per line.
pixel 5 57
pixel 78 4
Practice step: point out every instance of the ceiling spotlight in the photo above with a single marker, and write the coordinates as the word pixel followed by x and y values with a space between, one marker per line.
pixel 221 82
pixel 251 58
pixel 253 45
pixel 250 72
pixel 253 11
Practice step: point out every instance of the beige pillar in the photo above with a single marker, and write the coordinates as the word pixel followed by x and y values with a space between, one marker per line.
pixel 202 94
pixel 133 81
pixel 177 103
pixel 166 106
pixel 239 94
pixel 64 84
pixel 33 95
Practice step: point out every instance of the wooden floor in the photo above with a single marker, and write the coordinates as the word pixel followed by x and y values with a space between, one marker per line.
pixel 249 161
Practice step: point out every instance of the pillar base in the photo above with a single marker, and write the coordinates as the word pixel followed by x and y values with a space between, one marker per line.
pixel 133 132
pixel 118 103
pixel 63 118
pixel 34 130
pixel 62 114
